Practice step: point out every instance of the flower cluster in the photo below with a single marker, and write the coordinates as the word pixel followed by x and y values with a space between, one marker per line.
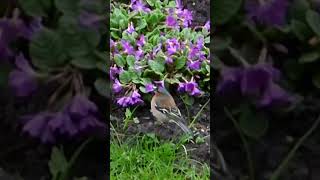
pixel 257 82
pixel 267 12
pixel 13 28
pixel 171 47
pixel 23 80
pixel 76 118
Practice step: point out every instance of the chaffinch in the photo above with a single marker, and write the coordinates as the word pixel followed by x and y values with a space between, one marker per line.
pixel 164 109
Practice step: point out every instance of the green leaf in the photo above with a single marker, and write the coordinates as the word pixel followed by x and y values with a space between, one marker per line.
pixel 130 60
pixel 68 7
pixel 224 10
pixel 309 57
pixel 298 9
pixel 156 65
pixel 85 62
pixel 34 7
pixel 114 35
pixel 77 41
pixel 127 76
pixel 316 80
pixel 300 29
pixel 58 163
pixel 221 43
pixel 142 89
pixel 128 113
pixel 293 69
pixel 313 19
pixel 119 60
pixel 188 100
pixel 102 87
pixel 103 67
pixel 180 62
pixel 252 124
pixel 142 24
pixel 151 2
pixel 47 50
pixel 172 80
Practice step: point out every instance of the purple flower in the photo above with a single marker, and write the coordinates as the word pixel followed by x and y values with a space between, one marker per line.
pixel 114 71
pixel 37 125
pixel 207 26
pixel 258 83
pixel 127 48
pixel 136 97
pixel 12 29
pixel 138 5
pixel 186 17
pixel 62 123
pixel 74 119
pixel 124 101
pixel 112 44
pixel 159 84
pixel 171 22
pixel 81 106
pixel 150 87
pixel 190 87
pixel 193 52
pixel 133 99
pixel 275 96
pixel 154 52
pixel 34 27
pixel 255 79
pixel 200 43
pixel 82 116
pixel 172 46
pixel 272 12
pixel 23 79
pixel 168 59
pixel 116 87
pixel 229 84
pixel 194 65
pixel 178 4
pixel 130 29
pixel 141 41
pixel 139 54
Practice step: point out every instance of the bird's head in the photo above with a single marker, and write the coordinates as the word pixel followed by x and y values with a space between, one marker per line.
pixel 162 90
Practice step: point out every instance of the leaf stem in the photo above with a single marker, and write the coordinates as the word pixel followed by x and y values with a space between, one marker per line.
pixel 276 174
pixel 244 141
pixel 199 112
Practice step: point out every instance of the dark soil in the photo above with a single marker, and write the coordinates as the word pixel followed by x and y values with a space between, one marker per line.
pixel 269 151
pixel 169 131
pixel 200 10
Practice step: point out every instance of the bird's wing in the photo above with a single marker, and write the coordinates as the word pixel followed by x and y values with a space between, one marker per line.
pixel 169 111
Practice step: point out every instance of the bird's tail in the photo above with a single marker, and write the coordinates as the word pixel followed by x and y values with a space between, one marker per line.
pixel 182 126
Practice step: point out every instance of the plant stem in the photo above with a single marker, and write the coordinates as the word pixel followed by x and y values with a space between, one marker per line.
pixel 237 55
pixel 275 175
pixel 74 158
pixel 186 106
pixel 245 143
pixel 126 120
pixel 199 112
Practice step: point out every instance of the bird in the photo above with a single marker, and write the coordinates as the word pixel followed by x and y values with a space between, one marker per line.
pixel 164 109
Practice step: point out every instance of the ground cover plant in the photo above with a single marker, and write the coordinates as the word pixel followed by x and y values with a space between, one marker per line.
pixel 53 88
pixel 266 60
pixel 155 43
